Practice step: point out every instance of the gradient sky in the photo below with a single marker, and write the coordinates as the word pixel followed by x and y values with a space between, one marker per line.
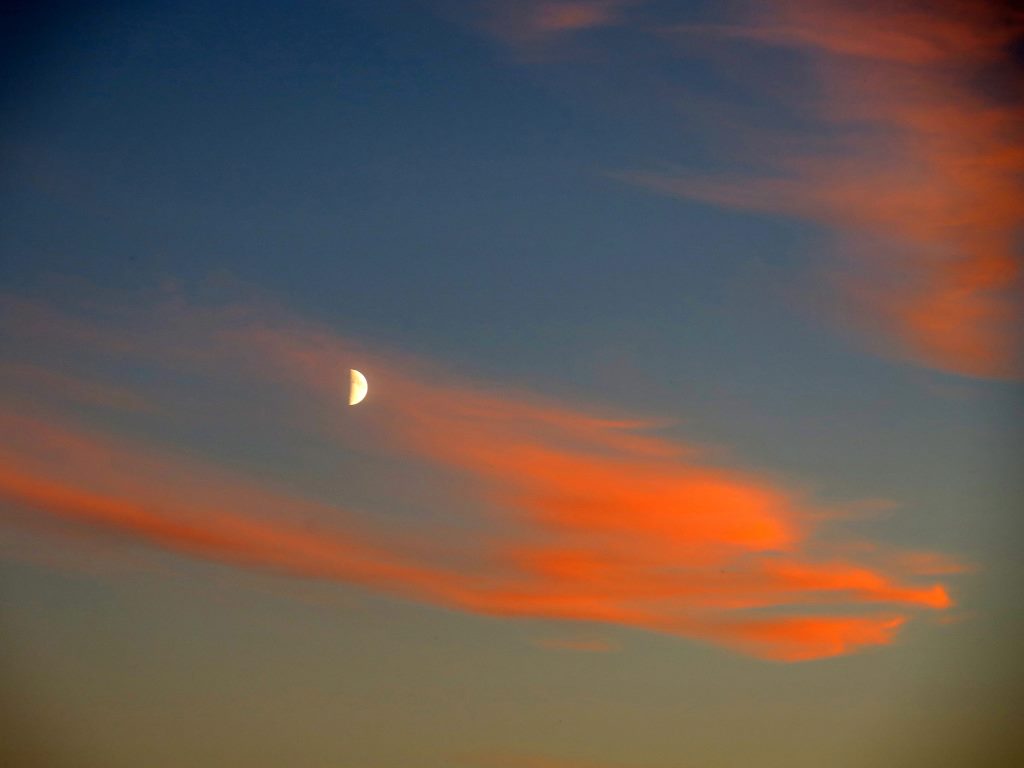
pixel 693 339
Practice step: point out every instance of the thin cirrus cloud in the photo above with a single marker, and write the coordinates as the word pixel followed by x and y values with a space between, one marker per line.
pixel 567 16
pixel 73 388
pixel 917 161
pixel 921 35
pixel 555 513
pixel 536 28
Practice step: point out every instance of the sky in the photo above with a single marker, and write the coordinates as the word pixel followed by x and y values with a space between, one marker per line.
pixel 692 335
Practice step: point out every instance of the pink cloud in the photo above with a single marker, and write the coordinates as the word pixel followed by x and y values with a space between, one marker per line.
pixel 555 513
pixel 538 28
pixel 911 33
pixel 573 15
pixel 921 178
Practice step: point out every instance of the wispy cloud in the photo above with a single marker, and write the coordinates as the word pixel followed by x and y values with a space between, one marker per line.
pixel 26 377
pixel 538 28
pixel 910 33
pixel 568 15
pixel 556 513
pixel 917 163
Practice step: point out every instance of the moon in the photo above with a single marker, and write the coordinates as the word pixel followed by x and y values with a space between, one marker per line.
pixel 357 387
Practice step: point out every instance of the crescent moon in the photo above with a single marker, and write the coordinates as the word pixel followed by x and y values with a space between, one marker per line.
pixel 357 387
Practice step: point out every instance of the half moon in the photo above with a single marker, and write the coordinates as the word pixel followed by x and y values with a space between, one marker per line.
pixel 357 387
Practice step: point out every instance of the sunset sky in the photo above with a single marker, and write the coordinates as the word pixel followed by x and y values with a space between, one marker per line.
pixel 693 340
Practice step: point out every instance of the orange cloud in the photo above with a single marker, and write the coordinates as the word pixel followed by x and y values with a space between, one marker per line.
pixel 919 115
pixel 554 513
pixel 911 33
pixel 563 16
pixel 122 487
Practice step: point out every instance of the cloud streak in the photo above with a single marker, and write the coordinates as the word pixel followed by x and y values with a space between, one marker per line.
pixel 539 29
pixel 555 513
pixel 917 160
